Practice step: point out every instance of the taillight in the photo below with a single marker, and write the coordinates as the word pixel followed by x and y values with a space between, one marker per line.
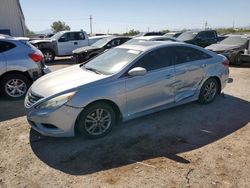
pixel 226 63
pixel 36 57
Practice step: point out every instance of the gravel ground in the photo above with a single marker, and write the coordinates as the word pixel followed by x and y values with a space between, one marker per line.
pixel 191 145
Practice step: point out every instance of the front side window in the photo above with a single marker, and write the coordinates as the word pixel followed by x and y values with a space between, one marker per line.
pixel 211 35
pixel 5 46
pixel 113 61
pixel 187 54
pixel 156 59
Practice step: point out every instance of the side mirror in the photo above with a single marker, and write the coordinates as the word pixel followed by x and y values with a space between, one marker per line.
pixel 137 71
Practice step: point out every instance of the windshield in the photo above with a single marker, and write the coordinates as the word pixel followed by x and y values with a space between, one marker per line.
pixel 189 35
pixel 101 43
pixel 235 40
pixel 112 61
pixel 56 36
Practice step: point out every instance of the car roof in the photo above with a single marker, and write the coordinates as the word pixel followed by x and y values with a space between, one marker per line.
pixel 148 45
pixel 7 37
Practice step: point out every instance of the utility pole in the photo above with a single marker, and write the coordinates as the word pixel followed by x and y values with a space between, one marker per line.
pixel 90 22
pixel 233 24
pixel 206 25
pixel 148 29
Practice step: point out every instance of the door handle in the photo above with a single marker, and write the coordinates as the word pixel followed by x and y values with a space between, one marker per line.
pixel 75 43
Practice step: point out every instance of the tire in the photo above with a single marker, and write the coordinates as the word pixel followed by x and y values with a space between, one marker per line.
pixel 237 60
pixel 19 81
pixel 209 91
pixel 89 125
pixel 49 55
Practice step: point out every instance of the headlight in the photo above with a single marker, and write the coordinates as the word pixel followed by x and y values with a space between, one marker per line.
pixel 57 101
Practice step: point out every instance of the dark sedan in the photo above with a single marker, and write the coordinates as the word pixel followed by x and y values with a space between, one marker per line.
pixel 85 53
pixel 232 47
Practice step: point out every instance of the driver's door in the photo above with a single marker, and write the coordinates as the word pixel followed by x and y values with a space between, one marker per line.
pixel 155 89
pixel 69 42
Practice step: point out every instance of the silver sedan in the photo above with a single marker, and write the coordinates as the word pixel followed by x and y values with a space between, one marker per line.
pixel 126 82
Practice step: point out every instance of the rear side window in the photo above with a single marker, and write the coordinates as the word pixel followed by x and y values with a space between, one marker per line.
pixel 156 59
pixel 5 46
pixel 187 54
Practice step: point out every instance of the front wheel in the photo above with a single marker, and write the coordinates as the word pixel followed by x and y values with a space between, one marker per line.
pixel 208 91
pixel 96 121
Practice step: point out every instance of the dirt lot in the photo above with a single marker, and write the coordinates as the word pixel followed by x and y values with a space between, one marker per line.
pixel 188 146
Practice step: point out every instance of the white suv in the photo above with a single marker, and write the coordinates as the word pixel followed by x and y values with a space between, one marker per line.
pixel 20 64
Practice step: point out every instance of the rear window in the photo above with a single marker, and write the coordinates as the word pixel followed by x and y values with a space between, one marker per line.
pixel 29 45
pixel 5 46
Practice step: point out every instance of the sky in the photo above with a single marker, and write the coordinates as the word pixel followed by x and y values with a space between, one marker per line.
pixel 119 16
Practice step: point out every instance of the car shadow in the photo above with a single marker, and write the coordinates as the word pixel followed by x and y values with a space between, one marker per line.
pixel 10 109
pixel 163 134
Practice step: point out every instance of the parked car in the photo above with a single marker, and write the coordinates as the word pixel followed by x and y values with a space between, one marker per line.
pixel 126 82
pixel 85 53
pixel 232 47
pixel 63 43
pixel 201 38
pixel 152 38
pixel 20 65
pixel 173 34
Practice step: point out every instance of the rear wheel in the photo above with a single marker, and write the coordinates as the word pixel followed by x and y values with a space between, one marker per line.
pixel 96 121
pixel 209 91
pixel 49 56
pixel 15 86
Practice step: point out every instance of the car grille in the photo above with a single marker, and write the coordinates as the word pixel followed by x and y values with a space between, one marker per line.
pixel 31 99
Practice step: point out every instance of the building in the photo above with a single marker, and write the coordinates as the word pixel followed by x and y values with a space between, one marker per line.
pixel 12 20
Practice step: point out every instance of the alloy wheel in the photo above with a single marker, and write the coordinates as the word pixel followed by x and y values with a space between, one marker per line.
pixel 210 91
pixel 15 88
pixel 98 122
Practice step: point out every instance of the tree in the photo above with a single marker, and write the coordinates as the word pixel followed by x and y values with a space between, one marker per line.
pixel 59 26
pixel 165 31
pixel 132 32
pixel 29 32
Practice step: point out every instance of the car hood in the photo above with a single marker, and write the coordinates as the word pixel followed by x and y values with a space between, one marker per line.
pixel 63 80
pixel 85 49
pixel 222 47
pixel 40 41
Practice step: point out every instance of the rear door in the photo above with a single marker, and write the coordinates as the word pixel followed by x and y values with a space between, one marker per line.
pixel 153 89
pixel 190 66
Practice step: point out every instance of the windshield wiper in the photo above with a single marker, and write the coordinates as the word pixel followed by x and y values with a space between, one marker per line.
pixel 93 70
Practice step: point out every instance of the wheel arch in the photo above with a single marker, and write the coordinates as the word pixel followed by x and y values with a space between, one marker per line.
pixel 111 103
pixel 218 81
pixel 26 74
